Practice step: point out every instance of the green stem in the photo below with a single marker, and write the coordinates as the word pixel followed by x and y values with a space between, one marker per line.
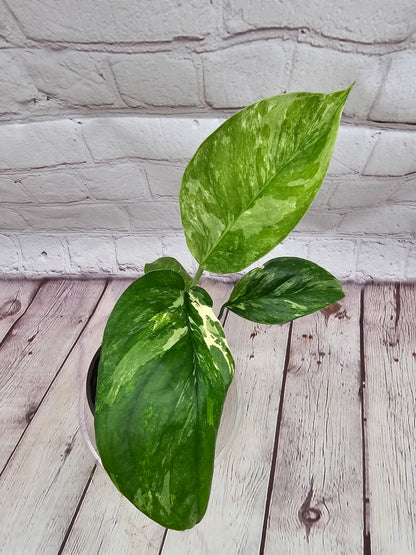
pixel 197 276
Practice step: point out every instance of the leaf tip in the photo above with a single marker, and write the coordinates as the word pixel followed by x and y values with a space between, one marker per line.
pixel 345 93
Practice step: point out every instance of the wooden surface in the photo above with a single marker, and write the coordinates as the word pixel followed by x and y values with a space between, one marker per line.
pixel 316 452
pixel 390 373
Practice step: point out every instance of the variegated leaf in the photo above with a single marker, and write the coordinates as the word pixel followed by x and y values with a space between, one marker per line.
pixel 282 290
pixel 168 263
pixel 164 372
pixel 252 180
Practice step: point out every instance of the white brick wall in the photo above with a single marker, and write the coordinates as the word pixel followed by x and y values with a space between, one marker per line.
pixel 113 21
pixel 170 56
pixel 138 75
pixel 112 216
pixel 366 22
pixel 102 106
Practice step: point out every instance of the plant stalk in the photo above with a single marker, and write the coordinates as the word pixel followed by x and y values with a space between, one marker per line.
pixel 197 276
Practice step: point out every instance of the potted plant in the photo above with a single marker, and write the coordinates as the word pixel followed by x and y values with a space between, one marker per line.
pixel 165 366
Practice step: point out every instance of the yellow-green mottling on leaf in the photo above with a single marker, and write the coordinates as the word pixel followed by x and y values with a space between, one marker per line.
pixel 253 179
pixel 164 372
pixel 165 366
pixel 282 290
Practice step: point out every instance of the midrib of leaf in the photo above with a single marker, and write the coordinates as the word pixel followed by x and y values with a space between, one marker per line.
pixel 251 203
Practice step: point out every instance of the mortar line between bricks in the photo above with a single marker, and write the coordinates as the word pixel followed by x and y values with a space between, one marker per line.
pixel 380 89
pixel 176 113
pixel 209 43
pixel 375 48
pixel 166 232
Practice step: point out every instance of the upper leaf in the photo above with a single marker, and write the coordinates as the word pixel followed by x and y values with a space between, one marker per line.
pixel 253 179
pixel 164 372
pixel 168 263
pixel 282 290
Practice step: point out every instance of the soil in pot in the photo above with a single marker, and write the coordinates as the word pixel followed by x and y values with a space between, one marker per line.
pixel 91 382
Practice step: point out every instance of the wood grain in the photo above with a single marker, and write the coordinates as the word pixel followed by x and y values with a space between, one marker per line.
pixel 108 523
pixel 33 352
pixel 233 522
pixel 44 480
pixel 15 297
pixel 53 501
pixel 390 368
pixel 317 504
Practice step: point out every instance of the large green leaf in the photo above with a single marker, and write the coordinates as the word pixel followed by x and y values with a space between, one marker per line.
pixel 164 372
pixel 168 263
pixel 253 179
pixel 282 290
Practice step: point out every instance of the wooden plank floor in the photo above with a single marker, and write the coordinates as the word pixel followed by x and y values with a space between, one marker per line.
pixel 316 452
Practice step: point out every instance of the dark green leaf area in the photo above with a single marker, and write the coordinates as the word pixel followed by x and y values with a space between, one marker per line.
pixel 202 295
pixel 252 180
pixel 164 372
pixel 168 263
pixel 284 289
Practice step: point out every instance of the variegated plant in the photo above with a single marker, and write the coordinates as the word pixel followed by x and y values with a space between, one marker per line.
pixel 165 366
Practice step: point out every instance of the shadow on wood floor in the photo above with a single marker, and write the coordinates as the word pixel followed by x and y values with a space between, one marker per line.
pixel 316 452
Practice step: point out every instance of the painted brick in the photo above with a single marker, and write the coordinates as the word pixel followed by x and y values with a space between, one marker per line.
pixel 10 32
pixel 240 75
pixel 383 220
pixel 10 218
pixel 55 187
pixel 393 154
pixel 156 79
pixel 319 221
pixel 405 191
pixel 175 245
pixel 133 252
pixel 40 144
pixel 74 78
pixel 294 245
pixel 17 90
pixel 43 254
pixel 155 215
pixel 10 258
pixel 337 255
pixel 75 217
pixel 11 190
pixel 118 182
pixel 381 259
pixel 92 255
pixel 396 100
pixel 164 180
pixel 352 149
pixel 328 70
pixel 355 20
pixel 410 270
pixel 142 137
pixel 113 21
pixel 322 198
pixel 356 192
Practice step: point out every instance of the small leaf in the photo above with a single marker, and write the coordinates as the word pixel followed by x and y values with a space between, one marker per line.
pixel 168 263
pixel 164 372
pixel 282 290
pixel 253 179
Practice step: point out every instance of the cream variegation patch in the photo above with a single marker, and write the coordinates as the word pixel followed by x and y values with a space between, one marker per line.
pixel 210 331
